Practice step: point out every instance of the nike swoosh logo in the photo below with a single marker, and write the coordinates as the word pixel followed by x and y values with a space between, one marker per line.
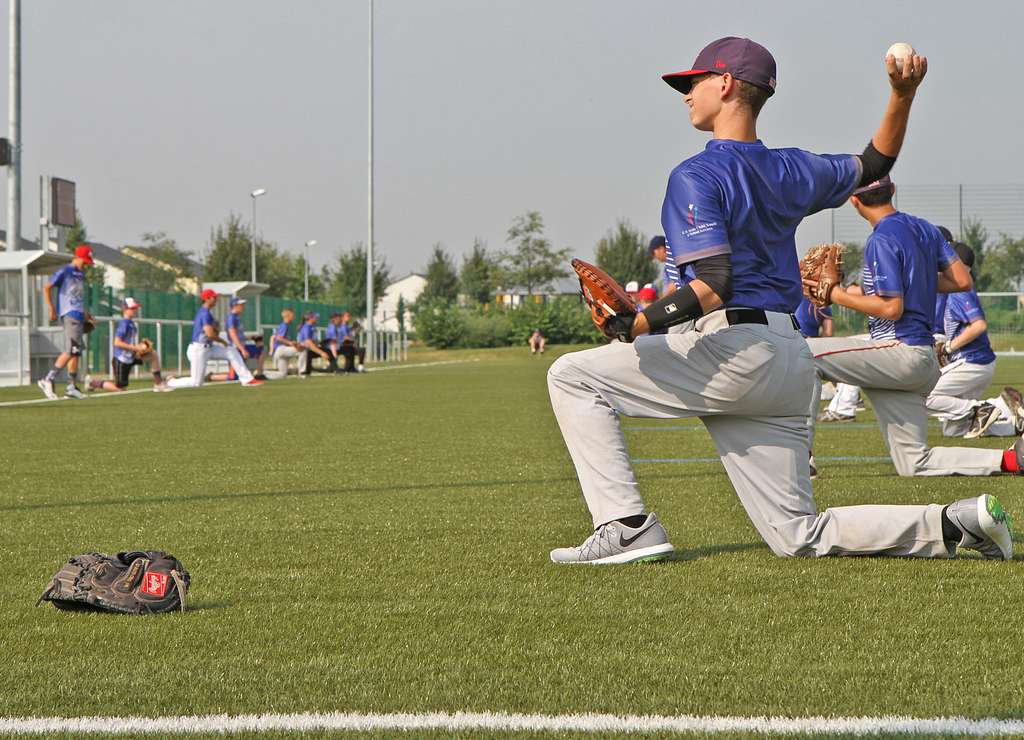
pixel 624 543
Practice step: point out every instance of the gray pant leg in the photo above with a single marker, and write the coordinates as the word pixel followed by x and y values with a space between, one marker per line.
pixel 955 396
pixel 781 505
pixel 903 419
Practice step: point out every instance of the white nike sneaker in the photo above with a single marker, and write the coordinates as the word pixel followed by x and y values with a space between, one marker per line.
pixel 162 388
pixel 47 387
pixel 73 392
pixel 985 526
pixel 614 543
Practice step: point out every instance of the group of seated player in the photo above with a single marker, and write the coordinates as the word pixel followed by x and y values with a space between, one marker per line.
pixel 338 349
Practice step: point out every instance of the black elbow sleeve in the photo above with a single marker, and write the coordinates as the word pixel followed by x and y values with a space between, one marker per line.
pixel 716 272
pixel 683 305
pixel 875 165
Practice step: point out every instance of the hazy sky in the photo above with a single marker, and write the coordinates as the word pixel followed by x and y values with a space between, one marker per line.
pixel 167 114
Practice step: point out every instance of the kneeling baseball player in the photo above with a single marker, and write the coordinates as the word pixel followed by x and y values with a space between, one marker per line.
pixel 129 351
pixel 906 261
pixel 724 348
pixel 207 345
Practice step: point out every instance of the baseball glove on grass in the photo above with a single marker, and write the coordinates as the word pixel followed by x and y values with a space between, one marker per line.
pixel 611 308
pixel 137 582
pixel 146 346
pixel 821 271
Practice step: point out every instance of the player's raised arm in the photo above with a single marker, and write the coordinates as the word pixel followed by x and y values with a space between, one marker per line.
pixel 905 75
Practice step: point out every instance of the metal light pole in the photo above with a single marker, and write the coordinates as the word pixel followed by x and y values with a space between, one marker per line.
pixel 14 129
pixel 254 195
pixel 305 292
pixel 370 343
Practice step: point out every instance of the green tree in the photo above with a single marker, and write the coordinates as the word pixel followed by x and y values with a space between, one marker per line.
pixel 853 262
pixel 975 236
pixel 478 275
pixel 347 279
pixel 532 263
pixel 442 280
pixel 142 275
pixel 622 253
pixel 75 235
pixel 400 313
pixel 230 258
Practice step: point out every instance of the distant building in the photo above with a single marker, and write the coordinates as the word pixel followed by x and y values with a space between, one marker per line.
pixel 114 263
pixel 385 317
pixel 515 297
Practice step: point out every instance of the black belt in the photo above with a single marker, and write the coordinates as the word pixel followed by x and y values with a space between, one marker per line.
pixel 751 316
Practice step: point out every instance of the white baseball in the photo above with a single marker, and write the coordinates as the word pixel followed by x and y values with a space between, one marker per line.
pixel 901 50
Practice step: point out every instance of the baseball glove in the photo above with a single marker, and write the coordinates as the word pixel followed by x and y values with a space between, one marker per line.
pixel 146 346
pixel 89 324
pixel 941 352
pixel 611 308
pixel 821 271
pixel 149 582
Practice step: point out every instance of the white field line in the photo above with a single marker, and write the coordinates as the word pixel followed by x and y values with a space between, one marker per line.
pixel 108 394
pixel 493 722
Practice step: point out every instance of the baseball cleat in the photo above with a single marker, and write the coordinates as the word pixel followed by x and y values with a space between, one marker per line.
pixel 827 416
pixel 162 388
pixel 984 417
pixel 252 383
pixel 615 543
pixel 47 387
pixel 985 526
pixel 1015 402
pixel 73 392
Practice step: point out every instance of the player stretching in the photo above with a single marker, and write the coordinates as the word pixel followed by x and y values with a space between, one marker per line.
pixel 207 345
pixel 70 284
pixel 906 260
pixel 730 215
pixel 129 352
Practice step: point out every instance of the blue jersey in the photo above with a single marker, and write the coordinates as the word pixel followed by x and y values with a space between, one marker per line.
pixel 811 317
pixel 128 333
pixel 282 330
pixel 939 326
pixel 332 332
pixel 70 282
pixel 344 332
pixel 903 257
pixel 307 331
pixel 203 318
pixel 234 321
pixel 746 200
pixel 961 310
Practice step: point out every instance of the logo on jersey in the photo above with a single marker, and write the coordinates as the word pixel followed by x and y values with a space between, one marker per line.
pixel 691 214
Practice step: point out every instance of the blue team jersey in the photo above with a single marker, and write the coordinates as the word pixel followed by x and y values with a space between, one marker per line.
pixel 332 332
pixel 961 310
pixel 203 318
pixel 939 326
pixel 70 282
pixel 128 333
pixel 282 330
pixel 746 200
pixel 810 317
pixel 234 321
pixel 344 332
pixel 903 257
pixel 307 331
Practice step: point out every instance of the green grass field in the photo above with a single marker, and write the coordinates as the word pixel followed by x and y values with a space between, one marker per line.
pixel 379 543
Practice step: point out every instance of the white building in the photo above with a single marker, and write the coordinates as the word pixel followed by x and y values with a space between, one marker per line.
pixel 385 317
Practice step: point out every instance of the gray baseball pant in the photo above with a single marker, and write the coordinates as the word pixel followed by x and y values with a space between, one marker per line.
pixel 749 385
pixel 954 397
pixel 896 377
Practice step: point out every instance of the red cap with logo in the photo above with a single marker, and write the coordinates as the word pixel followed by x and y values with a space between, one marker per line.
pixel 84 252
pixel 208 294
pixel 742 58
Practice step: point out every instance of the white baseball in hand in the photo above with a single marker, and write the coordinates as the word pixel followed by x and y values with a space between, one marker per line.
pixel 901 50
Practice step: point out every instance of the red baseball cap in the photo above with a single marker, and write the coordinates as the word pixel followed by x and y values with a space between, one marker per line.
pixel 742 58
pixel 647 294
pixel 84 251
pixel 208 294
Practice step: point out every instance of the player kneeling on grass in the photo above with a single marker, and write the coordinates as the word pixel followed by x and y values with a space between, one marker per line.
pixel 724 348
pixel 906 263
pixel 129 352
pixel 309 346
pixel 207 345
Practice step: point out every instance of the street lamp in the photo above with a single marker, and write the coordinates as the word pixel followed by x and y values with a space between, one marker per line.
pixel 254 195
pixel 305 293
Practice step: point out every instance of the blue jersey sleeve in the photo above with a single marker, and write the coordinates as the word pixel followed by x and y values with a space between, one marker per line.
pixel 58 277
pixel 947 255
pixel 882 261
pixel 830 177
pixel 965 307
pixel 693 217
pixel 825 312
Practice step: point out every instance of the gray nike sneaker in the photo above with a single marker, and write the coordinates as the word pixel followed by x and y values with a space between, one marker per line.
pixel 616 543
pixel 46 386
pixel 985 526
pixel 984 417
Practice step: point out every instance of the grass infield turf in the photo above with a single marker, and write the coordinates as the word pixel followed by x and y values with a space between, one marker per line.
pixel 379 543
